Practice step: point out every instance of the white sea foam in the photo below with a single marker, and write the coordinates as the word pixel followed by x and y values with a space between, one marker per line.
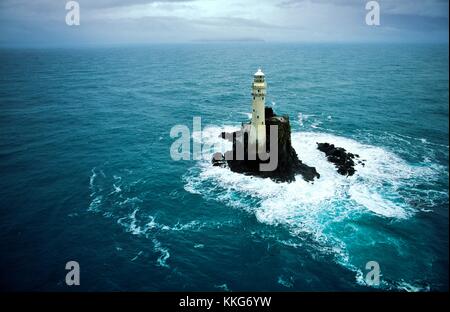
pixel 300 119
pixel 95 203
pixel 314 209
pixel 412 288
pixel 306 209
pixel 164 253
pixel 286 282
pixel 249 115
pixel 278 200
pixel 92 179
pixel 134 224
pixel 130 223
pixel 222 287
pixel 374 202
pixel 137 256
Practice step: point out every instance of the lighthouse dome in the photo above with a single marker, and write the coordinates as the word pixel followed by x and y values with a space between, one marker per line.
pixel 259 72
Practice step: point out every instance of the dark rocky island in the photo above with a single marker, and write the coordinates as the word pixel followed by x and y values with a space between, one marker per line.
pixel 343 160
pixel 280 163
pixel 289 165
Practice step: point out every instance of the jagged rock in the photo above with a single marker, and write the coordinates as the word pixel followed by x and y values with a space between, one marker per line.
pixel 343 160
pixel 268 112
pixel 219 160
pixel 288 163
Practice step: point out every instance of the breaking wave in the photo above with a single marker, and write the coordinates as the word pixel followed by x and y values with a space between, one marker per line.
pixel 340 215
pixel 326 210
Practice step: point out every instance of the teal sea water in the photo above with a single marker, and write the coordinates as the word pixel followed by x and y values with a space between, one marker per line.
pixel 86 172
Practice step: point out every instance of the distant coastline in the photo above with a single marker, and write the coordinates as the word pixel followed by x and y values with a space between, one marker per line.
pixel 237 40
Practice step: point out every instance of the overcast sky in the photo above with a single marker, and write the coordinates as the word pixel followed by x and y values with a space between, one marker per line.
pixel 42 22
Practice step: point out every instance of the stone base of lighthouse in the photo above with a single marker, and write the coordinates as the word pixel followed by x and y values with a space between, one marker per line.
pixel 288 163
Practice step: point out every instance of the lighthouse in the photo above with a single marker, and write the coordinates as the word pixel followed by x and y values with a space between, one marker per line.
pixel 258 125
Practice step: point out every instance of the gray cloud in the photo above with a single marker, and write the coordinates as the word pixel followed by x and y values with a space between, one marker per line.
pixel 235 22
pixel 400 7
pixel 41 22
pixel 122 3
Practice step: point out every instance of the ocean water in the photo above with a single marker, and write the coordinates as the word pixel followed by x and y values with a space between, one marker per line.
pixel 86 172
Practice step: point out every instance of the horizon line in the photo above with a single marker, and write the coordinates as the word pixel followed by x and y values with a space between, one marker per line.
pixel 212 42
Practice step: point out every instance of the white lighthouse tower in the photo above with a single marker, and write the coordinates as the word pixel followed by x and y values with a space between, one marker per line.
pixel 258 126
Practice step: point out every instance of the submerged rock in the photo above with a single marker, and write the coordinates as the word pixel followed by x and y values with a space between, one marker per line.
pixel 288 163
pixel 343 160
